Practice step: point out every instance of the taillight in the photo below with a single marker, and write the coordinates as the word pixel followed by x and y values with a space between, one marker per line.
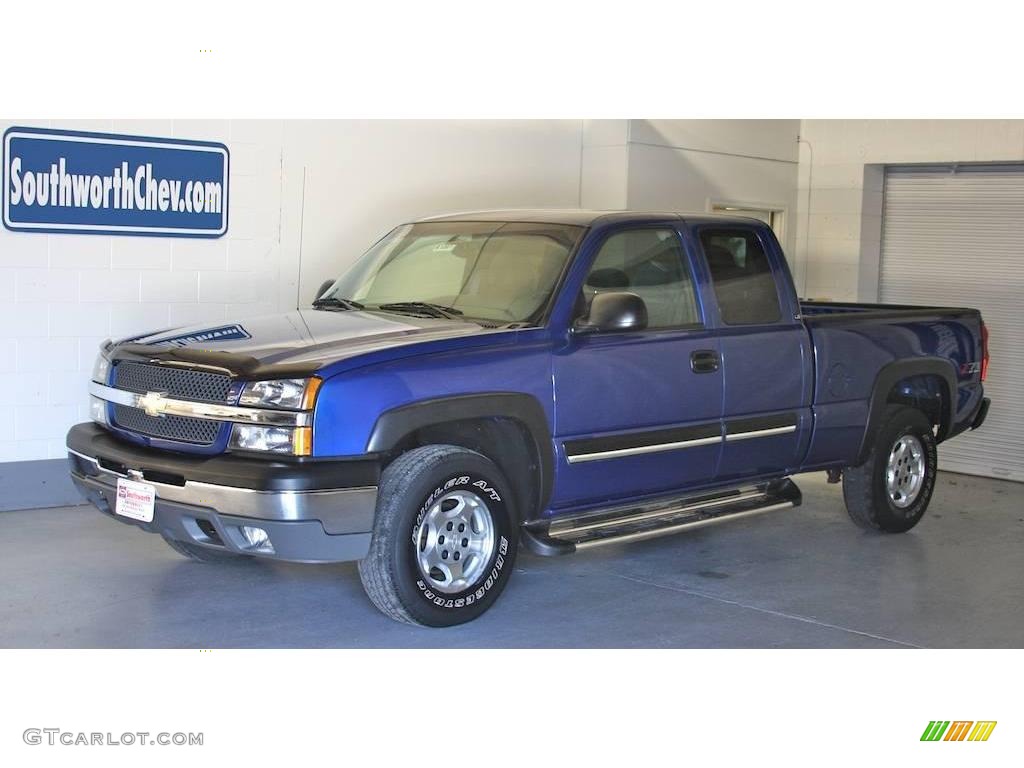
pixel 984 350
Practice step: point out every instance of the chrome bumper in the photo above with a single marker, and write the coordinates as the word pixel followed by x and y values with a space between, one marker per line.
pixel 331 525
pixel 341 510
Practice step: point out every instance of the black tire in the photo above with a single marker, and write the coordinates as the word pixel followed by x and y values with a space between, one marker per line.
pixel 864 488
pixel 409 488
pixel 202 554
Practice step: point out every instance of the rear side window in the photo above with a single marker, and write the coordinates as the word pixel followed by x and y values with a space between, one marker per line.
pixel 742 277
pixel 649 263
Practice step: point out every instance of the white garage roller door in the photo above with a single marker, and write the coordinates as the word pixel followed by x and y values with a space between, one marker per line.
pixel 954 236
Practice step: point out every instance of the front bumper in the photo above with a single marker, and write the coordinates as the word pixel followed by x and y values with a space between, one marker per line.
pixel 312 511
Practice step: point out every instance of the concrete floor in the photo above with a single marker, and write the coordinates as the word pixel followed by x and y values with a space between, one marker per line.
pixel 798 578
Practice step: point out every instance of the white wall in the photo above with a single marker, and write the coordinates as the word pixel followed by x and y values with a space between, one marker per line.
pixel 61 295
pixel 838 247
pixel 364 177
pixel 689 165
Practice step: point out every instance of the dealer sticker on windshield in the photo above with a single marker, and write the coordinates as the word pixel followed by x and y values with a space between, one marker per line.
pixel 135 500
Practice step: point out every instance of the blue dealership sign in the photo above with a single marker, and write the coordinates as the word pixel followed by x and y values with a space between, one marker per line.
pixel 98 183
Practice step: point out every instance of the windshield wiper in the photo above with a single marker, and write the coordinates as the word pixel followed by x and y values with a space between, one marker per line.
pixel 334 301
pixel 422 308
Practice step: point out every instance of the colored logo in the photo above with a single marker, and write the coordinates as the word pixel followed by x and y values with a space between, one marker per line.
pixel 969 368
pixel 958 730
pixel 99 183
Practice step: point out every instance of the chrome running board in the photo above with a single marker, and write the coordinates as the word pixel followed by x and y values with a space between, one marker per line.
pixel 662 517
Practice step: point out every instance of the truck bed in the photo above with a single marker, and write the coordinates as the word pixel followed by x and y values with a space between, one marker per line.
pixel 825 311
pixel 856 344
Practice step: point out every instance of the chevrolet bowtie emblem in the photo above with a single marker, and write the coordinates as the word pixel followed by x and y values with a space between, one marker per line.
pixel 153 403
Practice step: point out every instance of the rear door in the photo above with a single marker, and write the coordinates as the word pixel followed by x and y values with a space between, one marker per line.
pixel 639 412
pixel 765 352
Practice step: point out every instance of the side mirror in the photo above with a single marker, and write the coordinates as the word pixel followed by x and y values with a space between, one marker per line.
pixel 323 288
pixel 614 311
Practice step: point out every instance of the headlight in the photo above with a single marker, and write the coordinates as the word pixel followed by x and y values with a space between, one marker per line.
pixel 294 394
pixel 294 441
pixel 100 368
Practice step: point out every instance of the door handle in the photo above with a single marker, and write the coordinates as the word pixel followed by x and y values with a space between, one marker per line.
pixel 704 361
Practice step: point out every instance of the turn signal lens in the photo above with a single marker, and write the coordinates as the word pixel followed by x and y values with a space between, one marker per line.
pixel 310 393
pixel 302 441
pixel 984 351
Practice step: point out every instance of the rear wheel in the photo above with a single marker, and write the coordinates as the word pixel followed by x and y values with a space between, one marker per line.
pixel 443 538
pixel 891 490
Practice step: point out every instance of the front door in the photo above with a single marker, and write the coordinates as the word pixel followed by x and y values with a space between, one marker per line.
pixel 639 412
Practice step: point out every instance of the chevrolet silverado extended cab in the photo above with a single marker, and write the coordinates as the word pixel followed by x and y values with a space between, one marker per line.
pixel 560 379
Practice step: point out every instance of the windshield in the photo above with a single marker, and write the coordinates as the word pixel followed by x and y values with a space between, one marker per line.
pixel 493 271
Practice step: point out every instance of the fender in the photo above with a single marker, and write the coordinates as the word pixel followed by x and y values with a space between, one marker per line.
pixel 903 369
pixel 394 425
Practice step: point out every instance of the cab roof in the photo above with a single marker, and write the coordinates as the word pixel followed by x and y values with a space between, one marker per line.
pixel 584 217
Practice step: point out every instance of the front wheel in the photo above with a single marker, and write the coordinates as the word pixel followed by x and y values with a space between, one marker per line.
pixel 890 491
pixel 443 538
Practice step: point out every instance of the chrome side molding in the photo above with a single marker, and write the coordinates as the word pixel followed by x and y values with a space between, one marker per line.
pixel 578 458
pixel 729 437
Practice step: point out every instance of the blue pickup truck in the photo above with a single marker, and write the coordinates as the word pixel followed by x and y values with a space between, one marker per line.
pixel 556 379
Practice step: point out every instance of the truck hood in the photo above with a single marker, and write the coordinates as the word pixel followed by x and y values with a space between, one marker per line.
pixel 292 343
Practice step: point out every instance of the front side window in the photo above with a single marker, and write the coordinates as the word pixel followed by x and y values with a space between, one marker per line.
pixel 742 276
pixel 649 263
pixel 491 271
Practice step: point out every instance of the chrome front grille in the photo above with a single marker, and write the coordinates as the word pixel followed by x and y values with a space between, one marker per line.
pixel 177 383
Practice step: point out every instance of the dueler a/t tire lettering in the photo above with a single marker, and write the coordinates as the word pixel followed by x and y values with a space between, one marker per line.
pixel 409 487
